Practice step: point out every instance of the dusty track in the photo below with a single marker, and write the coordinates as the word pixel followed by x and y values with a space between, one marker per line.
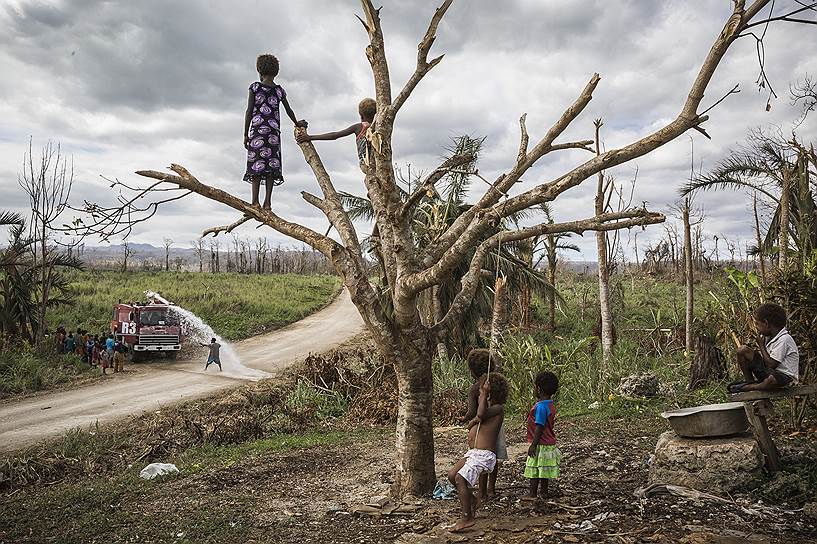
pixel 147 387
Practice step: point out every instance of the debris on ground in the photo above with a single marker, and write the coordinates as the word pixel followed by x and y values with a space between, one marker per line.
pixel 154 470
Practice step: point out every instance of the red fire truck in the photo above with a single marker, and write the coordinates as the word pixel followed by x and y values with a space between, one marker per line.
pixel 147 328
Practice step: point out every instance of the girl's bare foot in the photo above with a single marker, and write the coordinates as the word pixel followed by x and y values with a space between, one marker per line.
pixel 267 206
pixel 462 525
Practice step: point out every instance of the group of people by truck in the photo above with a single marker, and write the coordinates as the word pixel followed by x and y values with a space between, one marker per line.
pixel 102 351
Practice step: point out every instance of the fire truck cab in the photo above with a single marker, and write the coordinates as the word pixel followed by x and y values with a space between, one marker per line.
pixel 147 328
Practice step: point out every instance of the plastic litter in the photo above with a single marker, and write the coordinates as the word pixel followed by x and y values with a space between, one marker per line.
pixel 157 469
pixel 444 490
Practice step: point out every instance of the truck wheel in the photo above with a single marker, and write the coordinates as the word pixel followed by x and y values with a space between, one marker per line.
pixel 134 356
pixel 172 355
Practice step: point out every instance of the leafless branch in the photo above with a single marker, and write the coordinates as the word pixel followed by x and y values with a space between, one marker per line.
pixel 227 229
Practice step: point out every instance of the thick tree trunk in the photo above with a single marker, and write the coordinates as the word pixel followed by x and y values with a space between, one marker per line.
pixel 689 277
pixel 415 473
pixel 707 365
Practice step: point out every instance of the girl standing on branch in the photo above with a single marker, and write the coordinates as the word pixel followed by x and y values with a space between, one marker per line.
pixel 262 130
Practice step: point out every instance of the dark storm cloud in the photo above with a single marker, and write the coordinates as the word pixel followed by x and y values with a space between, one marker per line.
pixel 133 85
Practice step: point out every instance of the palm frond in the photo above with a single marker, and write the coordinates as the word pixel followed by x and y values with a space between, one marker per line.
pixel 357 207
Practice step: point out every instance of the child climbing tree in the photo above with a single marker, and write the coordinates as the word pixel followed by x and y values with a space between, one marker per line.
pixel 395 324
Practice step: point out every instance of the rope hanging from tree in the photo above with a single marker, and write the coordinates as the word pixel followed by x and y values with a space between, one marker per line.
pixel 491 342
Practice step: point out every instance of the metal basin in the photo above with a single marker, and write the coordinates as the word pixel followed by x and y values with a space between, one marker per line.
pixel 708 420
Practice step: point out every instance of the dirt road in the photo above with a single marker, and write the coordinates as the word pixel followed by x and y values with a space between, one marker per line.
pixel 150 386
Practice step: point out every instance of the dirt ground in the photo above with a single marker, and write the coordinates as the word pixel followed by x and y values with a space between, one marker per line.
pixel 603 464
pixel 315 494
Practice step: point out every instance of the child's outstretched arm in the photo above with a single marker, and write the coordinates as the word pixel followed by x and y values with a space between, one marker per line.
pixel 296 122
pixel 247 119
pixel 348 131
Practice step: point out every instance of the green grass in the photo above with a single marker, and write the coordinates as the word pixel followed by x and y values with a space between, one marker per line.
pixel 235 305
pixel 642 306
pixel 123 508
pixel 24 370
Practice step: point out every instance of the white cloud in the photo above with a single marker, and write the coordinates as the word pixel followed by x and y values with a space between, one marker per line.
pixel 137 85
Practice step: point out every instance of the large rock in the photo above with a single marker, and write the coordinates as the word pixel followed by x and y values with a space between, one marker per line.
pixel 639 385
pixel 716 465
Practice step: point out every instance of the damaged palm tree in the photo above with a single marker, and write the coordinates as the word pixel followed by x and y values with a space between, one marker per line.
pixel 397 329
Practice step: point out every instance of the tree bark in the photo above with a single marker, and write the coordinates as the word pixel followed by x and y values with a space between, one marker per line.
pixel 524 306
pixel 437 305
pixel 415 473
pixel 707 365
pixel 689 276
pixel 499 320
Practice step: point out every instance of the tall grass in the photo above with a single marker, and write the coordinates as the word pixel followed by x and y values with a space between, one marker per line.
pixel 24 370
pixel 235 305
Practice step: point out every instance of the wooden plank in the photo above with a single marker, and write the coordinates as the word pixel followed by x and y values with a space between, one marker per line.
pixel 776 393
pixel 756 412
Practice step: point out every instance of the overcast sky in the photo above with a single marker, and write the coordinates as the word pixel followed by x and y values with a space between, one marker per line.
pixel 126 85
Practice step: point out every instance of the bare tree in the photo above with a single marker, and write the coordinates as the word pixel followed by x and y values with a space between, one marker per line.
pixel 127 253
pixel 47 183
pixel 392 314
pixel 605 312
pixel 198 247
pixel 167 243
pixel 689 279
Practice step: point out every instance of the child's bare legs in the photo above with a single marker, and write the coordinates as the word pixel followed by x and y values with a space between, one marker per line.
pixel 256 186
pixel 538 489
pixel 268 195
pixel 467 501
pixel 487 484
pixel 533 490
pixel 745 357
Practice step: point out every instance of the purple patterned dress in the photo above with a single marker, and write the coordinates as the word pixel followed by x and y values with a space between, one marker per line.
pixel 264 153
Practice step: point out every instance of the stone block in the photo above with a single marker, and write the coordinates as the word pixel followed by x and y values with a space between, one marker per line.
pixel 716 465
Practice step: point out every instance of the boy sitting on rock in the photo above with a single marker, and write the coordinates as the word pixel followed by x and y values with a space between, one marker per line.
pixel 776 361
pixel 481 456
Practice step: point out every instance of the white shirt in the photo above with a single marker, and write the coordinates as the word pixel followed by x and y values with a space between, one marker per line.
pixel 782 349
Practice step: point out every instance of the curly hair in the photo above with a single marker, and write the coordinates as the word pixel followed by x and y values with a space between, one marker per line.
pixel 478 360
pixel 267 65
pixel 546 382
pixel 771 313
pixel 367 109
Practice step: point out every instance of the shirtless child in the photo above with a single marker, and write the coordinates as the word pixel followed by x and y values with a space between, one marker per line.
pixel 481 456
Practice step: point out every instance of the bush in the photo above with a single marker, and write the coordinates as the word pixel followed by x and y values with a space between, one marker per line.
pixel 23 370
